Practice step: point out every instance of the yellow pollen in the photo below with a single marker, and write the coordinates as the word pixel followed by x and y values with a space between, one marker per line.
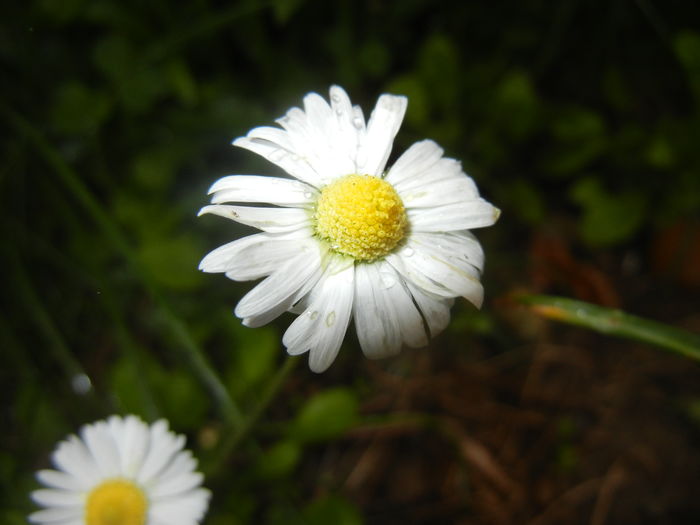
pixel 361 216
pixel 116 502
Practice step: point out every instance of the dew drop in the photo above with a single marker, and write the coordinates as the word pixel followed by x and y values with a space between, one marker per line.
pixel 308 194
pixel 313 315
pixel 408 251
pixel 335 98
pixel 81 384
pixel 388 280
pixel 358 122
pixel 330 319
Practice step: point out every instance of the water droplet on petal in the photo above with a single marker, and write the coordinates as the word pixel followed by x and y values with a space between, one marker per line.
pixel 308 194
pixel 358 122
pixel 313 315
pixel 330 319
pixel 388 280
pixel 408 251
pixel 335 98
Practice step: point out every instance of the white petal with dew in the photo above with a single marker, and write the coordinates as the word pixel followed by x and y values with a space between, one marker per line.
pixel 256 255
pixel 257 188
pixel 183 509
pixel 414 162
pixel 462 216
pixel 292 162
pixel 452 190
pixel 435 309
pixel 273 220
pixel 384 123
pixel 384 312
pixel 321 328
pixel 277 292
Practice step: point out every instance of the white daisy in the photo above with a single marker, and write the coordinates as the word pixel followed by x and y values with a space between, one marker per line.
pixel 346 238
pixel 121 472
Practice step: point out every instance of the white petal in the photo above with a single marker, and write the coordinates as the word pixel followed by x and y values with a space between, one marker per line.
pixel 73 457
pixel 384 312
pixel 61 480
pixel 321 328
pixel 452 190
pixel 382 127
pixel 256 188
pixel 435 310
pixel 273 220
pixel 56 515
pixel 170 486
pixel 163 446
pixel 462 216
pixel 58 498
pixel 182 509
pixel 254 256
pixel 132 441
pixel 457 248
pixel 435 275
pixel 414 162
pixel 290 161
pixel 99 441
pixel 276 294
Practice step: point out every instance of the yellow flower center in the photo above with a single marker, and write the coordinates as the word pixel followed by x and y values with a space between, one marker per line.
pixel 116 502
pixel 361 216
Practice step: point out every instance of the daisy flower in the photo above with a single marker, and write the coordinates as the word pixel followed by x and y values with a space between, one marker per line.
pixel 121 472
pixel 346 238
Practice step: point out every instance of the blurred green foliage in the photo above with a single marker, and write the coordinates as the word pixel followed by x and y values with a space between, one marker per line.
pixel 587 111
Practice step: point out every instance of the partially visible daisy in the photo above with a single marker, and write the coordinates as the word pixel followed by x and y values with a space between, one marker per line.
pixel 121 472
pixel 345 238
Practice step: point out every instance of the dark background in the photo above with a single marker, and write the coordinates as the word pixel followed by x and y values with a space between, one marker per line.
pixel 579 119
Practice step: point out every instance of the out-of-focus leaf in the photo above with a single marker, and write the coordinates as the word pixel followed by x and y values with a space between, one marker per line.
pixel 439 70
pixel 182 83
pixel 253 357
pixel 332 509
pixel 182 400
pixel 285 9
pixel 608 218
pixel 580 137
pixel 516 106
pixel 615 322
pixel 79 109
pixel 687 46
pixel 326 415
pixel 279 460
pixel 374 57
pixel 172 261
pixel 125 376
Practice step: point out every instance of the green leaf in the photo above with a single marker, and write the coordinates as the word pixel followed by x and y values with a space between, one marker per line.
pixel 254 357
pixel 516 106
pixel 332 509
pixel 325 416
pixel 580 137
pixel 615 322
pixel 79 110
pixel 608 218
pixel 279 460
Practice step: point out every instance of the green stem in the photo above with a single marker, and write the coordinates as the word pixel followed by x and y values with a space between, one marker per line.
pixel 230 442
pixel 190 350
pixel 63 355
pixel 615 322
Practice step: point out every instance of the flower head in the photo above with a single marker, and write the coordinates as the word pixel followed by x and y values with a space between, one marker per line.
pixel 345 238
pixel 121 472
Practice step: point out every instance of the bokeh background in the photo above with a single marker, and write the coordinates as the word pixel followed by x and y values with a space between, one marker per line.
pixel 579 119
